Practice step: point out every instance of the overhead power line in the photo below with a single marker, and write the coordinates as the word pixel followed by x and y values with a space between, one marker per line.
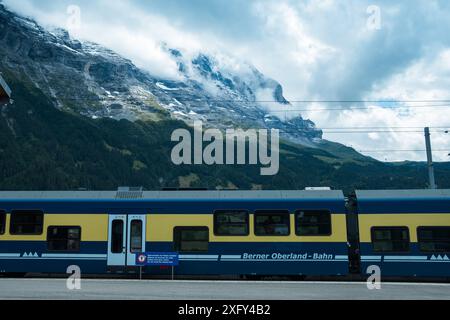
pixel 385 127
pixel 360 101
pixel 129 98
pixel 171 99
pixel 359 130
pixel 377 131
pixel 361 108
pixel 399 150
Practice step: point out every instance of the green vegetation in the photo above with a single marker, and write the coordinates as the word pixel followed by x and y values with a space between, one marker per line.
pixel 43 148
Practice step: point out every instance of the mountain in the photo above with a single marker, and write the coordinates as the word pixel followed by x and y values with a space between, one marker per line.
pixel 91 80
pixel 84 117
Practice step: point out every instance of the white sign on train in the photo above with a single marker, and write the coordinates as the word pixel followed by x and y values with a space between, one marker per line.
pixel 157 259
pixel 289 256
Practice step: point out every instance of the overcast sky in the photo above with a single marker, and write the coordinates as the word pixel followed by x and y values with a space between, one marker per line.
pixel 318 50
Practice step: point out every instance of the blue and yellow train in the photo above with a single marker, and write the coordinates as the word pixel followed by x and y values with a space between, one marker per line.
pixel 219 233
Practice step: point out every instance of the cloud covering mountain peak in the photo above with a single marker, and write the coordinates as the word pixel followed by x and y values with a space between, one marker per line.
pixel 317 50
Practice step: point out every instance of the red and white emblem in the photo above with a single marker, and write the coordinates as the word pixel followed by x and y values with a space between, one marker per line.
pixel 141 258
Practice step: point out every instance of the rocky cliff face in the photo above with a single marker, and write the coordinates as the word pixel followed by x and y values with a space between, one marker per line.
pixel 89 79
pixel 46 145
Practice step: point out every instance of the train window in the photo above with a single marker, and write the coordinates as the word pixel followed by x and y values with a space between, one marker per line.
pixel 136 236
pixel 117 236
pixel 63 238
pixel 191 239
pixel 313 223
pixel 272 223
pixel 231 223
pixel 26 222
pixel 390 239
pixel 434 239
pixel 2 222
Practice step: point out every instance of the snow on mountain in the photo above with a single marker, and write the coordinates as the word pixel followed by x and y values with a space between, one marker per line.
pixel 96 82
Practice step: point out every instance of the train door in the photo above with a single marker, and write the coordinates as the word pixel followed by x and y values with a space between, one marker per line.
pixel 135 238
pixel 117 238
pixel 126 237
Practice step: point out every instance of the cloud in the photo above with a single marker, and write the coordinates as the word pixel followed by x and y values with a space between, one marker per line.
pixel 426 79
pixel 138 35
pixel 318 50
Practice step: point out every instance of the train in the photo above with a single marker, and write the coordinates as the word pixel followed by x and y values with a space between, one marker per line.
pixel 235 233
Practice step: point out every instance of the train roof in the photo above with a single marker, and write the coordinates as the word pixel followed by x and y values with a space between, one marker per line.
pixel 403 201
pixel 402 194
pixel 166 195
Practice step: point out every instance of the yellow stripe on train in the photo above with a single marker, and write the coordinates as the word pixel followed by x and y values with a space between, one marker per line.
pixel 94 227
pixel 412 221
pixel 160 229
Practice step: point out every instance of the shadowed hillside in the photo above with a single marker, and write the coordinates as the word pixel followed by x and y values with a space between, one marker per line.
pixel 43 148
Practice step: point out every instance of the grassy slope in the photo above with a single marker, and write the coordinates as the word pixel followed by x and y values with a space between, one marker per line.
pixel 47 149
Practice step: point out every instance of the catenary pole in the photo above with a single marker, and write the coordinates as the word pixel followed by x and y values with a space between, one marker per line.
pixel 432 183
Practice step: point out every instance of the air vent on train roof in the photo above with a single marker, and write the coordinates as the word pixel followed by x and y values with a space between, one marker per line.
pixel 129 193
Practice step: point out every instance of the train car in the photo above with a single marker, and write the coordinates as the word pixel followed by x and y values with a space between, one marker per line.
pixel 405 232
pixel 214 232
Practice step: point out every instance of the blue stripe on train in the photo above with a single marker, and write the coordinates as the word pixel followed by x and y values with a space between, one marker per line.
pixel 33 256
pixel 303 258
pixel 221 259
pixel 406 206
pixel 52 266
pixel 41 247
pixel 228 258
pixel 411 263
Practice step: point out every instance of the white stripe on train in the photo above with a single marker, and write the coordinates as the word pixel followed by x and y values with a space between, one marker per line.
pixel 227 258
